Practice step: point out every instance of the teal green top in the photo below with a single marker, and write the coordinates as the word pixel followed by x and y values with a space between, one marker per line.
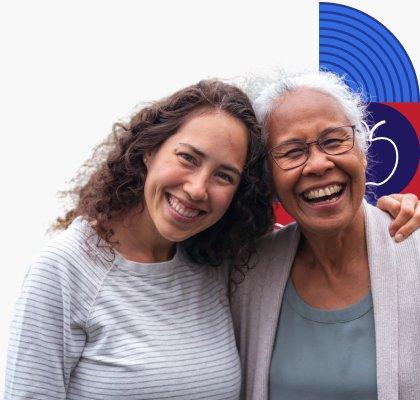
pixel 321 354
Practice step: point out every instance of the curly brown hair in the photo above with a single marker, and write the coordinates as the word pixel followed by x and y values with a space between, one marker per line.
pixel 111 183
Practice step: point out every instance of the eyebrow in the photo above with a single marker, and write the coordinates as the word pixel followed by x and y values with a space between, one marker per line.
pixel 295 140
pixel 203 155
pixel 289 141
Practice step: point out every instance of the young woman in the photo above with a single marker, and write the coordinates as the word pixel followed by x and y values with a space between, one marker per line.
pixel 126 303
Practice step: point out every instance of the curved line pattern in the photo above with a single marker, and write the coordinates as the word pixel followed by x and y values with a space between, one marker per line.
pixel 392 41
pixel 381 89
pixel 377 41
pixel 376 56
pixel 337 51
pixel 347 65
pixel 350 80
pixel 362 46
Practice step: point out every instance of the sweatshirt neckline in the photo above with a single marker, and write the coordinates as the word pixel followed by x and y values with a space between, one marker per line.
pixel 339 315
pixel 140 268
pixel 119 261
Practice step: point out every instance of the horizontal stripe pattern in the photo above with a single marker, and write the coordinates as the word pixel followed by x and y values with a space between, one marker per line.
pixel 86 327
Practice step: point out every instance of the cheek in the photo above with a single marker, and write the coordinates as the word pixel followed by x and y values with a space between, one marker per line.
pixel 221 199
pixel 360 181
pixel 166 175
pixel 283 184
pixel 355 167
pixel 148 195
pixel 154 187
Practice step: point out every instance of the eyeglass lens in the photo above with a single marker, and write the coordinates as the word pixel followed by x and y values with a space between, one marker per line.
pixel 295 153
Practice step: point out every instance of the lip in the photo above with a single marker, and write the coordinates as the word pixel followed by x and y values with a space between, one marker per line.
pixel 325 205
pixel 321 186
pixel 185 203
pixel 178 217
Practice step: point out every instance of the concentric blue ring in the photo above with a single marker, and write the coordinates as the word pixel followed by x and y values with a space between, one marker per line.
pixel 354 44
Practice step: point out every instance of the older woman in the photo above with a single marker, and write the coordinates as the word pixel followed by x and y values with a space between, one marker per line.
pixel 332 308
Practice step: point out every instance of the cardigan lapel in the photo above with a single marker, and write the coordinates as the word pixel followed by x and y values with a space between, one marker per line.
pixel 275 283
pixel 383 274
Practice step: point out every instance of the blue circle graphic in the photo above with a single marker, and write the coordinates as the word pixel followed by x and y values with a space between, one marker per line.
pixel 354 44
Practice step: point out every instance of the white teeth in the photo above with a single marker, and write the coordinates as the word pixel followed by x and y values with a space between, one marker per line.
pixel 326 191
pixel 181 209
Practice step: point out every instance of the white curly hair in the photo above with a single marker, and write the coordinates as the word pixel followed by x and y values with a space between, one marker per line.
pixel 266 91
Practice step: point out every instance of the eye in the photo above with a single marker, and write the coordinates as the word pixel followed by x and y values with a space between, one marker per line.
pixel 294 153
pixel 333 142
pixel 225 177
pixel 188 158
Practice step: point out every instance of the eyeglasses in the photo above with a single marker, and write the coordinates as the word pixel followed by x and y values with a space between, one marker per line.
pixel 294 153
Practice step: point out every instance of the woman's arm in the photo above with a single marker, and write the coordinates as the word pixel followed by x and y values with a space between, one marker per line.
pixel 405 208
pixel 46 338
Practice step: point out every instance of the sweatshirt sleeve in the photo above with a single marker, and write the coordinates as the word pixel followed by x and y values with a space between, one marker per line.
pixel 47 334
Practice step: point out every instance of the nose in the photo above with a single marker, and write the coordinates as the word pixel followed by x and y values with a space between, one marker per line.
pixel 318 162
pixel 196 187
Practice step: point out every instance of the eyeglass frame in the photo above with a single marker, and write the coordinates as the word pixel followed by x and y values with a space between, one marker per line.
pixel 308 144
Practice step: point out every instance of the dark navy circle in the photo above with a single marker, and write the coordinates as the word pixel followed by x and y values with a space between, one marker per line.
pixel 382 155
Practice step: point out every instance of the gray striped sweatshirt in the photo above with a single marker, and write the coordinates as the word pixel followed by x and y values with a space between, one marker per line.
pixel 89 327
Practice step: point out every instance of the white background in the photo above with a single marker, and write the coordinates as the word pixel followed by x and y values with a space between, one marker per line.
pixel 69 69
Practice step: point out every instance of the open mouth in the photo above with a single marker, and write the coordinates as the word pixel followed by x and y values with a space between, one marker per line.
pixel 327 194
pixel 181 209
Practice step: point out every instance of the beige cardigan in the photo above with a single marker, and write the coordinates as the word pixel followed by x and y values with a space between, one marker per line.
pixel 395 279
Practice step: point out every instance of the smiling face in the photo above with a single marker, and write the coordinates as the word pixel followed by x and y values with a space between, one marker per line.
pixel 324 195
pixel 193 176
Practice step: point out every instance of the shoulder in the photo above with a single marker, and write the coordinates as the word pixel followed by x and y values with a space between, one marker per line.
pixel 379 241
pixel 222 272
pixel 373 213
pixel 265 279
pixel 71 257
pixel 377 224
pixel 279 242
pixel 273 257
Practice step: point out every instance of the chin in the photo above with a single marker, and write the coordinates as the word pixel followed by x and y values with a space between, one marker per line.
pixel 328 226
pixel 176 235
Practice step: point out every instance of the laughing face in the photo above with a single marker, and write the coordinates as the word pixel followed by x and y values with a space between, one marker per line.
pixel 324 195
pixel 192 177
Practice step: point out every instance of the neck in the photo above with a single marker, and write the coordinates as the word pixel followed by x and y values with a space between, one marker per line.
pixel 336 254
pixel 139 241
pixel 332 271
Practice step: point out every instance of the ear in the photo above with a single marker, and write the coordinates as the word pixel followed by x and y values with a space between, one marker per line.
pixel 147 157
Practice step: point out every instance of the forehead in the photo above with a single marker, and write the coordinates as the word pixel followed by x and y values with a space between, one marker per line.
pixel 303 113
pixel 214 132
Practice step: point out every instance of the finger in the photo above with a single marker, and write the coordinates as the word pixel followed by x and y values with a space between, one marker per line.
pixel 390 205
pixel 400 206
pixel 408 228
pixel 407 211
pixel 401 196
